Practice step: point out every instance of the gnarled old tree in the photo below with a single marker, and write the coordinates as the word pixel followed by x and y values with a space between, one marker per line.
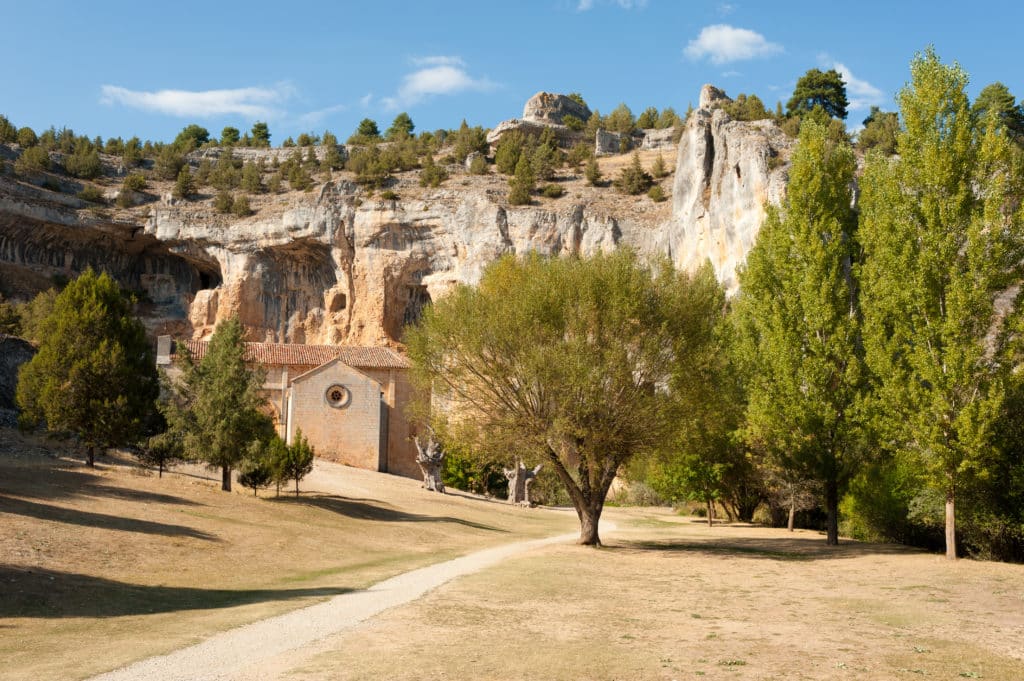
pixel 519 480
pixel 430 457
pixel 565 361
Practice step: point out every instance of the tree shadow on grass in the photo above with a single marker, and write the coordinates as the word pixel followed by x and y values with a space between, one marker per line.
pixel 367 509
pixel 786 549
pixel 71 516
pixel 39 592
pixel 57 482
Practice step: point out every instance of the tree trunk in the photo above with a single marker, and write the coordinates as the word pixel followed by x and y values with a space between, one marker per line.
pixel 90 456
pixel 792 513
pixel 225 478
pixel 296 487
pixel 589 518
pixel 832 510
pixel 160 470
pixel 711 513
pixel 950 523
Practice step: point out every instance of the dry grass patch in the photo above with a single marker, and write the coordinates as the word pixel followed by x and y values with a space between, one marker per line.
pixel 673 599
pixel 102 567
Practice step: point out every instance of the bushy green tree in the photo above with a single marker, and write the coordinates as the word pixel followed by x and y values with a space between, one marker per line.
pixel 746 108
pixel 798 327
pixel 941 230
pixel 559 359
pixel 185 185
pixel 168 163
pixel 94 375
pixel 621 120
pixel 997 98
pixel 401 127
pixel 297 461
pixel 131 156
pixel 8 131
pixel 214 409
pixel 32 160
pixel 593 172
pixel 648 118
pixel 252 180
pixel 432 174
pixel 633 179
pixel 522 184
pixel 819 88
pixel 260 134
pixel 223 202
pixel 668 119
pixel 508 150
pixel 191 137
pixel 229 136
pixel 880 131
pixel 27 137
pixel 84 162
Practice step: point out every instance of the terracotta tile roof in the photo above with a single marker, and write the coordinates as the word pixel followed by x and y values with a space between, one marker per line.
pixel 293 354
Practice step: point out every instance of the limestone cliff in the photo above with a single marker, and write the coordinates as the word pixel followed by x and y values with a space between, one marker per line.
pixel 342 265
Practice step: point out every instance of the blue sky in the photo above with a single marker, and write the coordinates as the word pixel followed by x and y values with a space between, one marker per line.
pixel 149 69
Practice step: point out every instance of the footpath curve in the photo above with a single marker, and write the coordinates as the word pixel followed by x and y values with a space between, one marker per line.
pixel 235 653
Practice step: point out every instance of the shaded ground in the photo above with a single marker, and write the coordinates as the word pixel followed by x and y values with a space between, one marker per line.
pixel 102 567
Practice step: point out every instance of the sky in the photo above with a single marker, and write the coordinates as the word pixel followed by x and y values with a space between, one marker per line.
pixel 151 68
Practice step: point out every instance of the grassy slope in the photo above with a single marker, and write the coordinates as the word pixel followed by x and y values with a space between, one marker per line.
pixel 102 567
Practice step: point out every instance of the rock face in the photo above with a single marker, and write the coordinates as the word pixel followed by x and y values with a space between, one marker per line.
pixel 727 172
pixel 339 266
pixel 549 109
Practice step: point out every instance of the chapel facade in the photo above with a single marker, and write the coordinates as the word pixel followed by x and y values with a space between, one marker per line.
pixel 350 402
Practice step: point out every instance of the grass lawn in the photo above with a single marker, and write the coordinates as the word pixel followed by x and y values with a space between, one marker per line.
pixel 669 598
pixel 102 567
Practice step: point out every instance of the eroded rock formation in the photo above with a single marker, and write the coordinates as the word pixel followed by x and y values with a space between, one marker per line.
pixel 337 265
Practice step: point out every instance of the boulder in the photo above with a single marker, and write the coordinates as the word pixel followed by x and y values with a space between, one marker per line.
pixel 563 135
pixel 658 139
pixel 549 109
pixel 711 97
pixel 607 143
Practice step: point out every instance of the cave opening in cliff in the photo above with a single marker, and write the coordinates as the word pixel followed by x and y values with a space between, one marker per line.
pixel 209 278
pixel 417 299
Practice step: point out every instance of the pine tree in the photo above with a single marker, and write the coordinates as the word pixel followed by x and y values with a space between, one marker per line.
pixel 94 374
pixel 941 233
pixel 593 172
pixel 299 460
pixel 522 184
pixel 214 409
pixel 185 185
pixel 797 327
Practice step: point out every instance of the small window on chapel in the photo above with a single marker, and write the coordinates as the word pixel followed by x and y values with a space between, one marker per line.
pixel 338 396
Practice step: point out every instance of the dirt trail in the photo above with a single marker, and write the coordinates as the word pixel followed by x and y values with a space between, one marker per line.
pixel 243 653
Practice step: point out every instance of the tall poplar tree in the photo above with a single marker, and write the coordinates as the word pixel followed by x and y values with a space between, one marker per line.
pixel 941 232
pixel 798 325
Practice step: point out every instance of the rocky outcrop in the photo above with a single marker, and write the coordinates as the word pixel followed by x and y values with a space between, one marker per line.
pixel 564 136
pixel 727 172
pixel 658 139
pixel 549 109
pixel 339 265
pixel 267 155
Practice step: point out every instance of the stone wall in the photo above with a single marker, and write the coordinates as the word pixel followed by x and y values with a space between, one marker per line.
pixel 398 395
pixel 349 434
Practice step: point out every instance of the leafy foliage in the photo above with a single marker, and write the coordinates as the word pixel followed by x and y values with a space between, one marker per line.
pixel 819 88
pixel 558 359
pixel 633 179
pixel 94 374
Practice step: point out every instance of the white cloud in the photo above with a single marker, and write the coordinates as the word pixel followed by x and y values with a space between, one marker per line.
pixel 726 8
pixel 438 76
pixel 366 100
pixel 252 102
pixel 731 74
pixel 861 94
pixel 722 44
pixel 585 5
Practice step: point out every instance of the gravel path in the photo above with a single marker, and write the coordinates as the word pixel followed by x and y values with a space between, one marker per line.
pixel 239 653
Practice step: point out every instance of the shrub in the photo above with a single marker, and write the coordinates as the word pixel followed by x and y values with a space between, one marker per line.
pixel 240 206
pixel 522 184
pixel 223 202
pixel 466 140
pixel 168 163
pixel 185 185
pixel 552 191
pixel 8 133
pixel 656 194
pixel 389 195
pixel 27 137
pixel 509 149
pixel 92 194
pixel 84 162
pixel 573 123
pixel 274 183
pixel 125 198
pixel 432 175
pixel 32 160
pixel 633 179
pixel 658 168
pixel 593 172
pixel 229 136
pixel 251 180
pixel 580 154
pixel 136 182
pixel 478 166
